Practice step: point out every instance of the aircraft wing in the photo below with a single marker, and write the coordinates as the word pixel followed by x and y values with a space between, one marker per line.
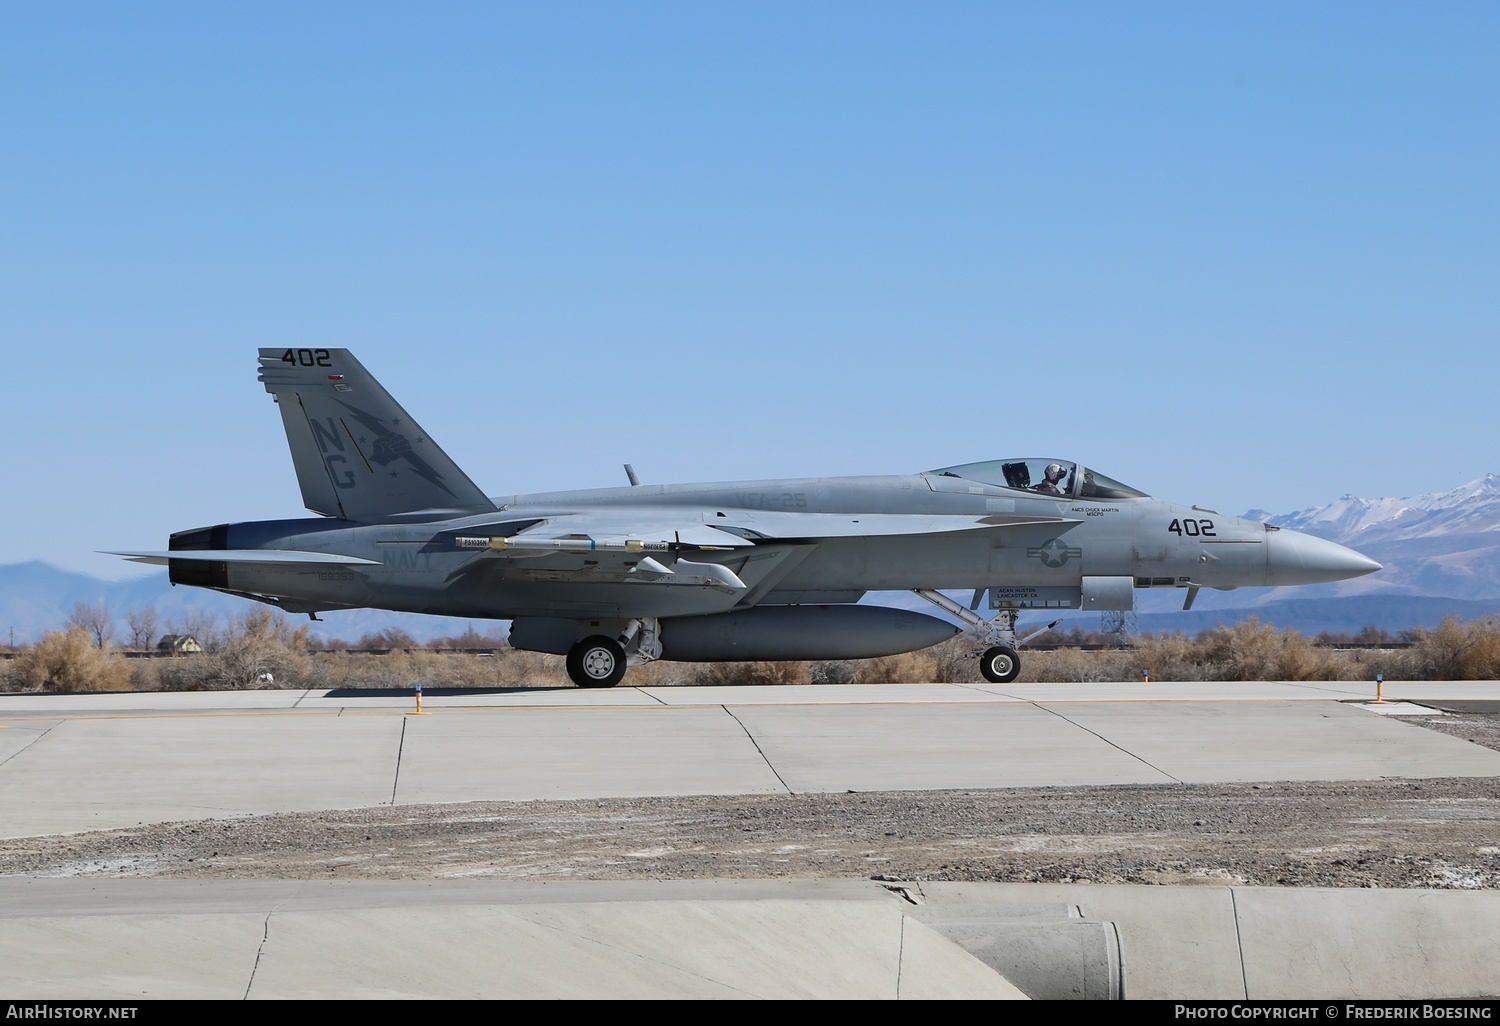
pixel 586 546
pixel 590 545
pixel 604 532
pixel 280 556
pixel 812 526
pixel 656 531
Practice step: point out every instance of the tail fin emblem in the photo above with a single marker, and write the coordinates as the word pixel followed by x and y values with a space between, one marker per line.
pixel 390 446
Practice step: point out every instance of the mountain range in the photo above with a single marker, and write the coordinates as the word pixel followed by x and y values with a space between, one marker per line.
pixel 1441 556
pixel 1440 552
pixel 37 597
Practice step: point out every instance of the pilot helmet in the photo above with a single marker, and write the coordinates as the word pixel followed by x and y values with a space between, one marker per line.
pixel 1055 471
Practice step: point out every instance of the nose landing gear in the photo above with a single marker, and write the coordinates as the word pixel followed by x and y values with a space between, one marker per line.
pixel 1000 662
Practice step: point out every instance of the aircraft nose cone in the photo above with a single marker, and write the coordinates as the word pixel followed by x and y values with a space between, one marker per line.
pixel 1296 558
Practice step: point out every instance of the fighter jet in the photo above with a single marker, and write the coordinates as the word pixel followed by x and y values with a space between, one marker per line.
pixel 746 570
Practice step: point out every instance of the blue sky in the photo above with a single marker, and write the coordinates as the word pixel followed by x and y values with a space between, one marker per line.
pixel 1234 254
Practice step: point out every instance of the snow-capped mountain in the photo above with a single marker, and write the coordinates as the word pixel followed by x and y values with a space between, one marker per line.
pixel 1473 508
pixel 1440 554
pixel 1442 544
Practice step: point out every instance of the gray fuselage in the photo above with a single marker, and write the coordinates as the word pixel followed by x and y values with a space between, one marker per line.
pixel 1155 543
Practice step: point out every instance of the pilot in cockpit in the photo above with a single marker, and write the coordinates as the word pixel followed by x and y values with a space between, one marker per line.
pixel 1052 481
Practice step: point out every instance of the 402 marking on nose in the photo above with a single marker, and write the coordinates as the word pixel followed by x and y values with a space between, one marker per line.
pixel 1192 528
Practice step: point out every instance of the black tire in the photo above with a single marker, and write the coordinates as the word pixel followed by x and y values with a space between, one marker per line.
pixel 596 662
pixel 1000 665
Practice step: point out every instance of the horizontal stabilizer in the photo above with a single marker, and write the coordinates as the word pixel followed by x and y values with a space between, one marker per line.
pixel 282 556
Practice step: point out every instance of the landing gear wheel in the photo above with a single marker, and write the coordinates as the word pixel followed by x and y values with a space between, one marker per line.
pixel 1000 665
pixel 596 662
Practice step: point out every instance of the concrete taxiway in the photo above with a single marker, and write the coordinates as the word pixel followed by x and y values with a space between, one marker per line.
pixel 83 762
pixel 70 763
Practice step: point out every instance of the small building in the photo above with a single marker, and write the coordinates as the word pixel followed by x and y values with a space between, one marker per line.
pixel 178 644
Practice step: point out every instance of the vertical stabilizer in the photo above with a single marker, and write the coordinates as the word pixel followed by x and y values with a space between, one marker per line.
pixel 358 455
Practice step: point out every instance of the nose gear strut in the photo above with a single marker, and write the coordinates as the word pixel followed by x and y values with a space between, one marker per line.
pixel 999 658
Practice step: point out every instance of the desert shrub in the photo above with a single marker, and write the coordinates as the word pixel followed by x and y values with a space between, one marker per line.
pixel 400 670
pixel 957 661
pixel 405 670
pixel 389 639
pixel 261 649
pixel 1255 651
pixel 516 669
pixel 1167 657
pixel 1246 651
pixel 919 667
pixel 264 642
pixel 332 669
pixel 145 676
pixel 1065 665
pixel 177 673
pixel 1395 664
pixel 1456 650
pixel 70 661
pixel 471 638
pixel 834 671
pixel 781 672
pixel 466 671
pixel 507 669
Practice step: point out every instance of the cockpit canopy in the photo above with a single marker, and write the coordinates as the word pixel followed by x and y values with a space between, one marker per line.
pixel 1043 476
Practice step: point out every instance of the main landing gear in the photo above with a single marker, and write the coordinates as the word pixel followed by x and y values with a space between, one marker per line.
pixel 596 662
pixel 599 661
pixel 1000 662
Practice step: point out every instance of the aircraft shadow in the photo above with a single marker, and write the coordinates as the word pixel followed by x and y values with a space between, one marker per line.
pixel 436 692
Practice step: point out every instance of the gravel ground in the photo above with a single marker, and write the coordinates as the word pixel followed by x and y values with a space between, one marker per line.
pixel 1386 833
